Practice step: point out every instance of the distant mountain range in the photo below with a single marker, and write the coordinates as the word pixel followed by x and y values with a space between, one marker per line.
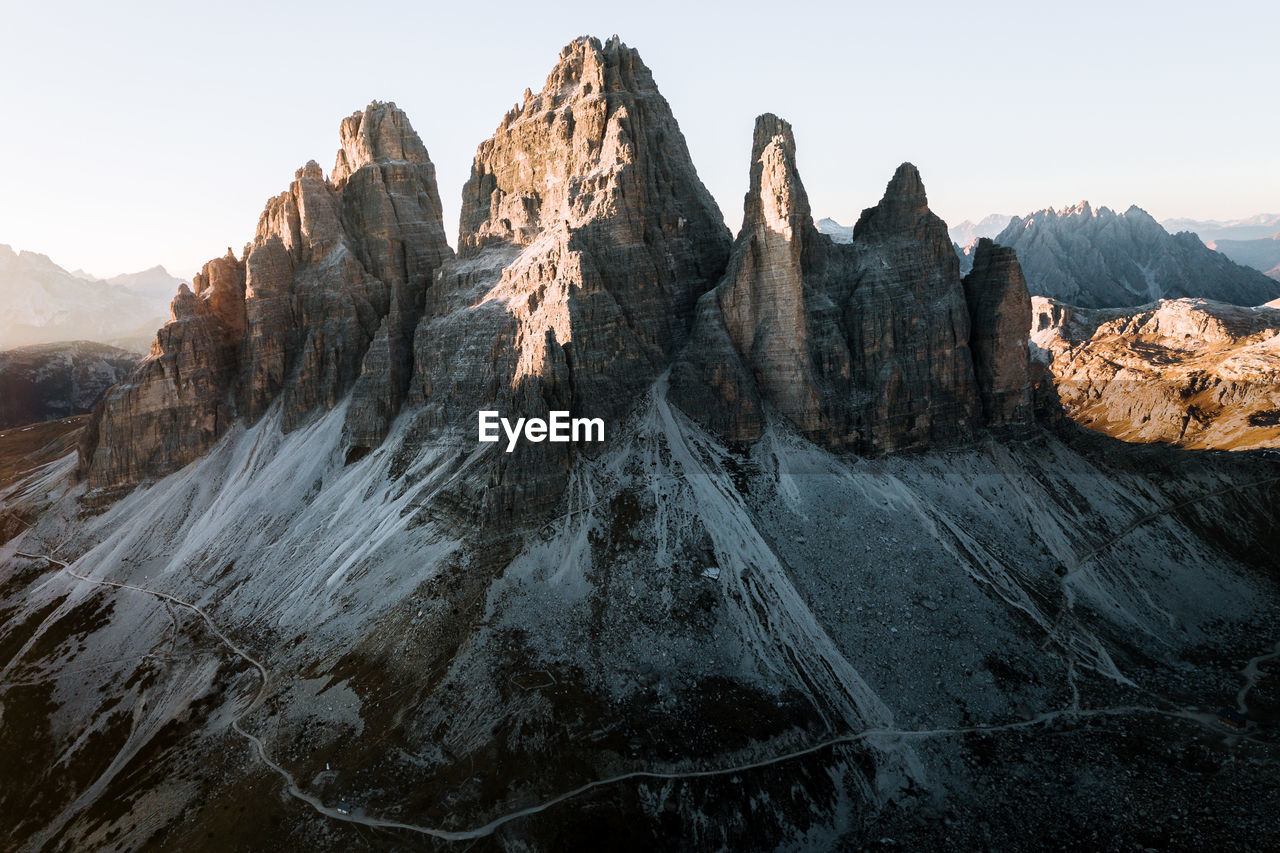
pixel 1211 230
pixel 837 232
pixel 1099 258
pixel 153 283
pixel 965 234
pixel 1095 258
pixel 40 302
pixel 1262 254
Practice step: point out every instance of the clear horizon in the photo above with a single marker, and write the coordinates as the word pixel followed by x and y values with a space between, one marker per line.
pixel 148 136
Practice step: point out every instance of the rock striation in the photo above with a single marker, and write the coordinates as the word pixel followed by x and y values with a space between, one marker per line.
pixel 1000 314
pixel 585 238
pixel 862 346
pixel 589 253
pixel 1099 258
pixel 1190 372
pixel 322 301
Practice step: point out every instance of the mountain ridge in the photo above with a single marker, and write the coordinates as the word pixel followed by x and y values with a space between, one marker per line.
pixel 828 580
pixel 43 303
pixel 1100 258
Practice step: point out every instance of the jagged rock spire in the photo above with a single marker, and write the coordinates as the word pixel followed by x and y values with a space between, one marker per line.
pixel 861 346
pixel 904 209
pixel 1000 318
pixel 333 267
pixel 762 298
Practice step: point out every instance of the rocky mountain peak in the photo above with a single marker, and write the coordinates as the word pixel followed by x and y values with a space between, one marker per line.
pixel 1000 315
pixel 777 197
pixel 1083 209
pixel 323 302
pixel 1101 258
pixel 585 238
pixel 381 133
pixel 861 346
pixel 568 155
pixel 904 209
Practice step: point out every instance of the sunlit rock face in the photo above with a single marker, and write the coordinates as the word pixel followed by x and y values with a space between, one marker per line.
pixel 585 238
pixel 393 213
pixel 861 346
pixel 1188 372
pixel 325 298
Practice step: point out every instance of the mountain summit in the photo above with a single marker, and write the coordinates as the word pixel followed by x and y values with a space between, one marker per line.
pixel 337 271
pixel 825 581
pixel 862 346
pixel 1100 258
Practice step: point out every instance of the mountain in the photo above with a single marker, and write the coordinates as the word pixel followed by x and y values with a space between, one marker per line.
pixel 967 233
pixel 810 328
pixel 1262 254
pixel 1193 373
pixel 40 302
pixel 153 283
pixel 838 571
pixel 1095 259
pixel 1211 230
pixel 48 381
pixel 837 232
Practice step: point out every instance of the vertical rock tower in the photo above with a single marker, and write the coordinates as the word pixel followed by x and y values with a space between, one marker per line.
pixel 864 346
pixel 1000 313
pixel 325 298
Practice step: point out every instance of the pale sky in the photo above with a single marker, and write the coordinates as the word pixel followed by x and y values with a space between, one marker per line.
pixel 143 133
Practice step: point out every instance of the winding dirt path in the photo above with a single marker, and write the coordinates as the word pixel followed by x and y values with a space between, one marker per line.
pixel 1251 675
pixel 1154 514
pixel 487 829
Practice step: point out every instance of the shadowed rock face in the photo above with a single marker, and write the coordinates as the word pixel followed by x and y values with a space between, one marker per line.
pixel 908 326
pixel 863 346
pixel 585 239
pixel 325 298
pixel 1000 315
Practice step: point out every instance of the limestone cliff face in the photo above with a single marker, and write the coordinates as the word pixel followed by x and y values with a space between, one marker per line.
pixel 762 299
pixel 325 298
pixel 173 407
pixel 908 326
pixel 862 346
pixel 586 236
pixel 1000 315
pixel 393 211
